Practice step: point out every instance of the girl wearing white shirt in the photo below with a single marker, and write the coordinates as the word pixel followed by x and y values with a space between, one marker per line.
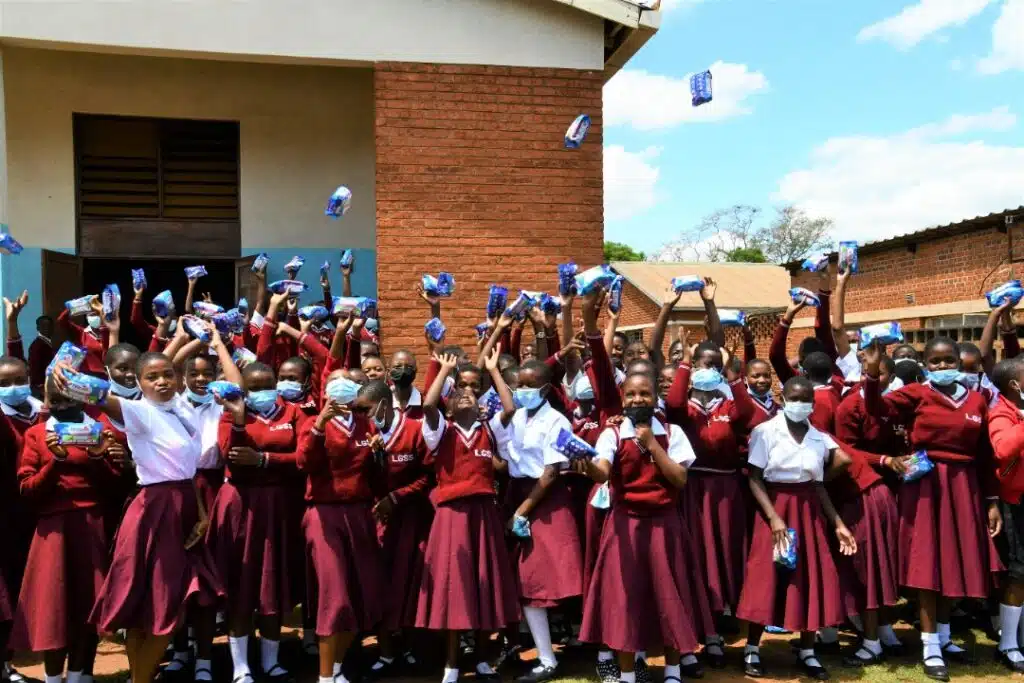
pixel 549 562
pixel 159 562
pixel 788 461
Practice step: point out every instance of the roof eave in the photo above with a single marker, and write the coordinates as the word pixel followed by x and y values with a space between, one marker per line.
pixel 627 28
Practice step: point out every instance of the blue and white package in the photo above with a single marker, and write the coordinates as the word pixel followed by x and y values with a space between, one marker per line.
pixel 288 287
pixel 315 313
pixel 882 333
pixel 80 306
pixel 482 330
pixel 9 245
pixel 196 328
pixel 593 279
pixel 243 355
pixel 195 272
pixel 325 270
pixel 224 390
pixel 687 283
pixel 236 320
pixel 573 447
pixel 260 263
pixel 243 305
pixel 1007 292
pixel 786 557
pixel 68 354
pixel 816 263
pixel 228 322
pixel 443 285
pixel 521 526
pixel 363 306
pixel 602 498
pixel 700 88
pixel 918 465
pixel 294 265
pixel 731 317
pixel 615 294
pixel 86 388
pixel 523 302
pixel 78 433
pixel 138 278
pixel 577 132
pixel 567 273
pixel 497 300
pixel 848 256
pixel 435 329
pixel 339 203
pixel 206 309
pixel 111 300
pixel 347 258
pixel 799 295
pixel 549 304
pixel 493 403
pixel 163 304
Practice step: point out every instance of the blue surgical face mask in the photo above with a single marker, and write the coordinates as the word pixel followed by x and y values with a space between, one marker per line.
pixel 706 379
pixel 122 390
pixel 582 389
pixel 93 321
pixel 290 390
pixel 261 402
pixel 371 324
pixel 529 398
pixel 342 390
pixel 970 380
pixel 199 399
pixel 943 378
pixel 797 411
pixel 379 421
pixel 16 395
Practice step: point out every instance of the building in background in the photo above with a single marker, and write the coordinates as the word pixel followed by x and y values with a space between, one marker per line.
pixel 159 134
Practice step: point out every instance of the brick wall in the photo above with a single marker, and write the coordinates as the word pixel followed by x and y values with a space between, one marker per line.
pixel 473 178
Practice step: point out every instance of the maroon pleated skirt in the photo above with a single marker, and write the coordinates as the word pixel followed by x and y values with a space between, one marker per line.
pixel 870 578
pixel 549 564
pixel 208 483
pixel 152 576
pixel 468 579
pixel 579 492
pixel 250 540
pixel 66 565
pixel 715 511
pixel 595 518
pixel 803 599
pixel 944 544
pixel 341 541
pixel 403 550
pixel 647 589
pixel 5 602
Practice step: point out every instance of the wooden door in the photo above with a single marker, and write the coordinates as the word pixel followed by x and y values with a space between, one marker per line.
pixel 62 280
pixel 245 282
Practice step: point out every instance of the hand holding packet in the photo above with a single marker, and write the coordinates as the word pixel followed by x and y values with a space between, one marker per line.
pixel 523 302
pixel 225 391
pixel 325 270
pixel 549 304
pixel 80 306
pixel 573 447
pixel 482 330
pixel 687 283
pixel 206 309
pixel 347 258
pixel 615 294
pixel 521 526
pixel 163 304
pixel 195 272
pixel 196 328
pixel 799 295
pixel 294 265
pixel 287 287
pixel 443 285
pixel 9 245
pixel 260 263
pixel 918 465
pixel 78 433
pixel 111 300
pixel 593 279
pixel 1007 292
pixel 786 556
pixel 138 278
pixel 567 273
pixel 731 317
pixel 497 300
pixel 363 306
pixel 848 257
pixel 315 313
pixel 228 322
pixel 882 334
pixel 435 329
pixel 69 354
pixel 86 388
pixel 339 203
pixel 816 263
pixel 243 355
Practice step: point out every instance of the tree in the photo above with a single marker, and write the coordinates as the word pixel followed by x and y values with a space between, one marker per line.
pixel 617 251
pixel 737 234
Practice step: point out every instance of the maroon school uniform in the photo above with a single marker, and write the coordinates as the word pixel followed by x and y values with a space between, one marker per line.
pixel 249 536
pixel 405 533
pixel 713 504
pixel 341 538
pixel 877 437
pixel 944 544
pixel 468 578
pixel 94 344
pixel 648 590
pixel 119 492
pixel 414 407
pixel 70 552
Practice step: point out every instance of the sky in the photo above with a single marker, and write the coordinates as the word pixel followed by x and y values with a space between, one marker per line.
pixel 887 116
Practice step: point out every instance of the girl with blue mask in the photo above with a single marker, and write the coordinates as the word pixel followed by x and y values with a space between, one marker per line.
pixel 15 392
pixel 120 361
pixel 293 384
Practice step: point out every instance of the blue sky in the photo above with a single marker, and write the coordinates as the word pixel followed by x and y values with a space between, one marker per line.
pixel 887 116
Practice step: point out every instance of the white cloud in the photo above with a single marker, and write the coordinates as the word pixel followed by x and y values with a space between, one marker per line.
pixel 629 181
pixel 877 187
pixel 920 20
pixel 649 101
pixel 1007 40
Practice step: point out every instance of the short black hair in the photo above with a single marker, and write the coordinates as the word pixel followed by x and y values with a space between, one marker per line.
pixel 809 345
pixel 116 350
pixel 818 367
pixel 706 346
pixel 907 347
pixel 147 358
pixel 12 360
pixel 190 362
pixel 941 341
pixel 642 367
pixel 1006 370
pixel 889 364
pixel 377 390
pixel 256 367
pixel 909 373
pixel 539 368
pixel 797 382
pixel 42 318
pixel 302 362
pixel 507 361
pixel 970 348
pixel 622 336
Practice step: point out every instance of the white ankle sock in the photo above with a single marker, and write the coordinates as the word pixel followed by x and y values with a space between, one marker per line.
pixel 627 677
pixel 53 679
pixel 268 653
pixel 671 671
pixel 872 646
pixel 829 635
pixel 200 674
pixel 239 656
pixel 337 669
pixel 945 639
pixel 1009 622
pixel 74 677
pixel 688 659
pixel 321 679
pixel 932 653
pixel 484 668
pixel 888 636
pixel 605 655
pixel 450 675
pixel 809 658
pixel 540 630
pixel 640 654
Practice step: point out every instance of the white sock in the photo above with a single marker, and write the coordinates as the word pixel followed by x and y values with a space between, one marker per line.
pixel 932 654
pixel 53 679
pixel 872 646
pixel 201 674
pixel 239 655
pixel 450 675
pixel 540 630
pixel 337 669
pixel 808 657
pixel 605 655
pixel 888 636
pixel 828 635
pixel 671 671
pixel 268 653
pixel 86 678
pixel 752 653
pixel 178 662
pixel 74 677
pixel 627 677
pixel 945 639
pixel 640 655
pixel 484 668
pixel 688 659
pixel 1009 622
pixel 321 679
pixel 339 677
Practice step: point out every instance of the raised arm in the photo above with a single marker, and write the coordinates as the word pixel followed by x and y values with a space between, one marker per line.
pixel 822 319
pixel 676 410
pixel 777 352
pixel 1008 330
pixel 669 301
pixel 346 277
pixel 988 336
pixel 12 309
pixel 715 331
pixel 431 414
pixel 190 296
pixel 839 315
pixel 601 372
pixel 540 332
pixel 899 405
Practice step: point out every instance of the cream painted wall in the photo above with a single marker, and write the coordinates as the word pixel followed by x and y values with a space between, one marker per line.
pixel 504 32
pixel 304 130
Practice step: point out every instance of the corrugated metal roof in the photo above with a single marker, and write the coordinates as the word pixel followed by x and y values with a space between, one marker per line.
pixel 751 287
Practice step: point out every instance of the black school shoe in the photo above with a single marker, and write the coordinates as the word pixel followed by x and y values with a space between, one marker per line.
pixel 936 672
pixel 958 656
pixel 694 670
pixel 643 674
pixel 608 671
pixel 817 672
pixel 752 668
pixel 539 674
pixel 854 660
pixel 1003 657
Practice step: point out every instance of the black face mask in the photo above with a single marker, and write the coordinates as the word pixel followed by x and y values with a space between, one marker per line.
pixel 67 413
pixel 403 376
pixel 639 415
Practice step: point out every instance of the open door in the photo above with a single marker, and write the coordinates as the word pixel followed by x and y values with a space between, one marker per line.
pixel 62 280
pixel 244 281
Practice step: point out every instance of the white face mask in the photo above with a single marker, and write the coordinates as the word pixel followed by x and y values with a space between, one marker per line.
pixel 797 411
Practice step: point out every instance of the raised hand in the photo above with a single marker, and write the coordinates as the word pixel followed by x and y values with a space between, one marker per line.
pixel 707 292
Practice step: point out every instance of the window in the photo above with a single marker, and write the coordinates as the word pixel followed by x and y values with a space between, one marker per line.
pixel 634 335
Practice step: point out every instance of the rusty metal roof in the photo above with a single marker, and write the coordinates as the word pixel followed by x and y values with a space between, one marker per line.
pixel 750 287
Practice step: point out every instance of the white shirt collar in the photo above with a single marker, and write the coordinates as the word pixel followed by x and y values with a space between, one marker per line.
pixel 415 398
pixel 626 430
pixel 52 421
pixel 35 404
pixel 779 424
pixel 47 340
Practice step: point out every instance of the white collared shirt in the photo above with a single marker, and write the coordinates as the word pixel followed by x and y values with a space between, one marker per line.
pixel 207 421
pixel 774 450
pixel 162 447
pixel 849 365
pixel 433 437
pixel 528 442
pixel 35 406
pixel 679 448
pixel 415 398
